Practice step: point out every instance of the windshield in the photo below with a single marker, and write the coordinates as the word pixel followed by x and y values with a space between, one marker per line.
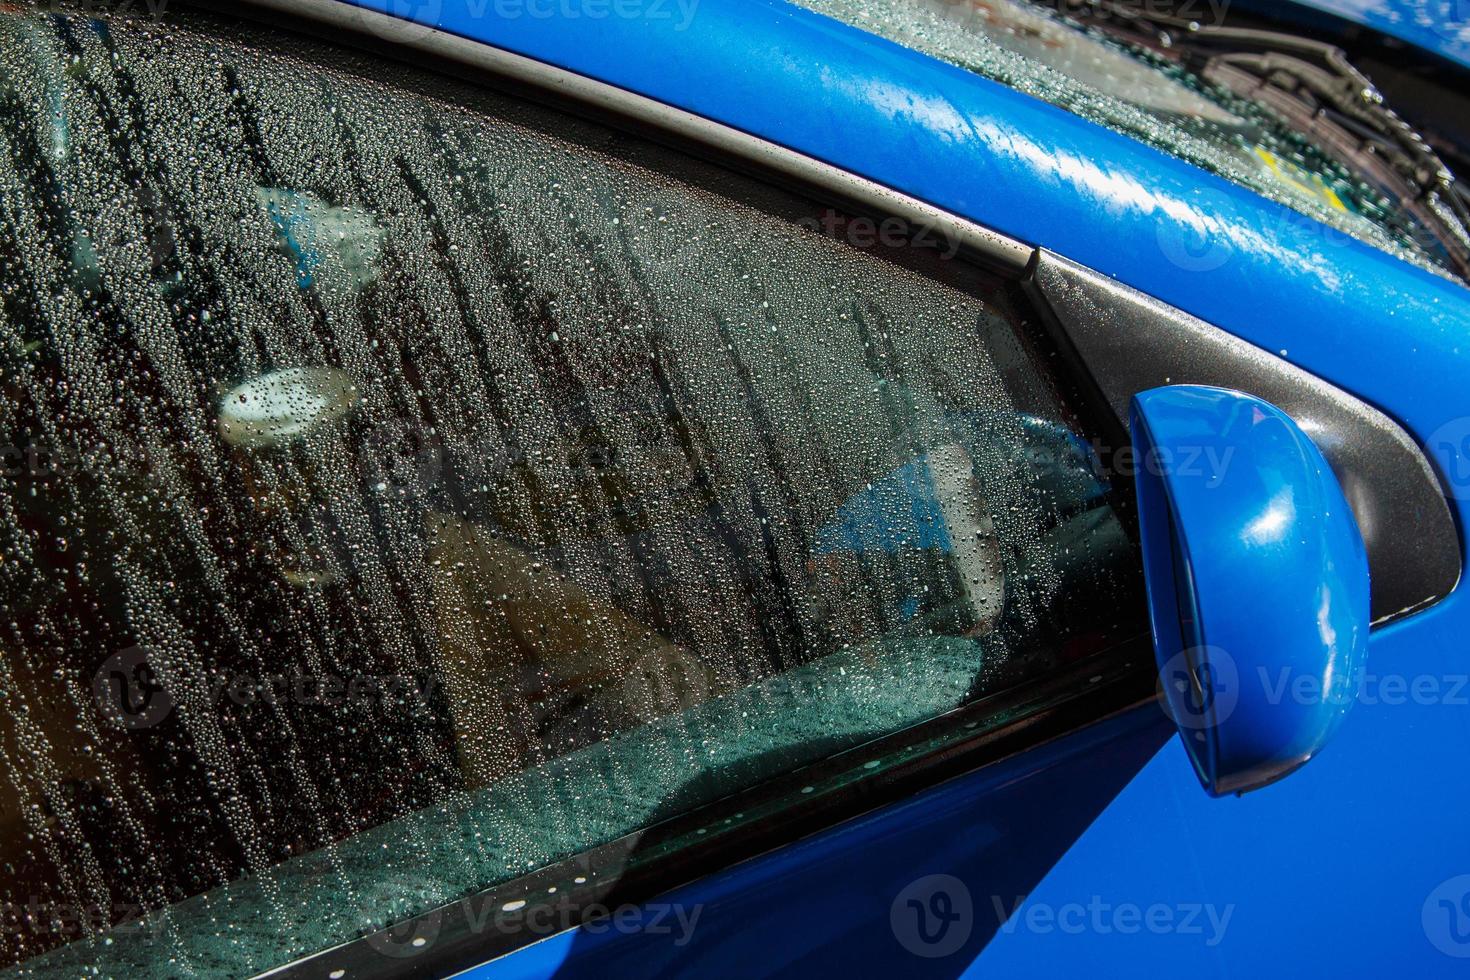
pixel 1138 81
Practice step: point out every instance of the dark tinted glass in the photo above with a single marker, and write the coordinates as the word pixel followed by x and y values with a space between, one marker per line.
pixel 406 488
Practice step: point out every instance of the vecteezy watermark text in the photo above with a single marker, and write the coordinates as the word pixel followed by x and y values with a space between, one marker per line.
pixel 116 8
pixel 1203 686
pixel 483 914
pixel 130 693
pixel 409 19
pixel 935 916
pixel 1101 917
pixel 862 232
pixel 38 916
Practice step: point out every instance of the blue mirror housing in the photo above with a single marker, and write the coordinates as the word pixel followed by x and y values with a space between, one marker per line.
pixel 1257 580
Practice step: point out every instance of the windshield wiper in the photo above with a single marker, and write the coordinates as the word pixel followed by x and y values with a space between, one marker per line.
pixel 1317 91
pixel 1320 92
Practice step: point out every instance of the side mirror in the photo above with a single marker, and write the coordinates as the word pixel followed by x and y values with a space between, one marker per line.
pixel 1257 581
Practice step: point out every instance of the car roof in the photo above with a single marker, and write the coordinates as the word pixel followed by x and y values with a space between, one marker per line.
pixel 1442 27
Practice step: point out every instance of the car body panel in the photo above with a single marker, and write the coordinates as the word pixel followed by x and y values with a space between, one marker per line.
pixel 808 910
pixel 1332 870
pixel 1441 27
pixel 968 145
pixel 1325 873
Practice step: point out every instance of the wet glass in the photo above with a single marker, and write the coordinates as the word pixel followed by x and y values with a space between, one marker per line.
pixel 406 488
pixel 1139 92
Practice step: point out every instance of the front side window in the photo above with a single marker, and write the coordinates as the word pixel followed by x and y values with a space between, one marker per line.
pixel 406 488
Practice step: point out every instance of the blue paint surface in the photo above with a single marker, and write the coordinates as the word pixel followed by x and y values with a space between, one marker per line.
pixel 1255 567
pixel 1440 26
pixel 1031 171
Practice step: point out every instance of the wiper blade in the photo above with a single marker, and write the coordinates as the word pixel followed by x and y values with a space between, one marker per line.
pixel 1323 71
pixel 1317 87
pixel 1319 92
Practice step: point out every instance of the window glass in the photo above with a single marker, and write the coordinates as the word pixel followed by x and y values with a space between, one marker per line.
pixel 406 488
pixel 1160 101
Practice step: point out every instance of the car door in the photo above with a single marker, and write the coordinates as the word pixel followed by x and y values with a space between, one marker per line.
pixel 437 519
pixel 442 520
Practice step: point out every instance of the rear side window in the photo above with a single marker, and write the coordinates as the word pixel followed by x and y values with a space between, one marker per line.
pixel 406 488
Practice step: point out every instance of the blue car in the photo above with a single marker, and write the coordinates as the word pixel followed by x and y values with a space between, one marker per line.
pixel 583 488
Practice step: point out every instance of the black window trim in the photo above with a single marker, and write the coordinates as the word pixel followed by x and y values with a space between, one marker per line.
pixel 478 62
pixel 791 806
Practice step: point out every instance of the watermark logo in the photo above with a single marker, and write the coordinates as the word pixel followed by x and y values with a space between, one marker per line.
pixel 128 691
pixel 407 938
pixel 1450 444
pixel 933 916
pixel 1199 240
pixel 410 938
pixel 401 456
pixel 399 20
pixel 1450 19
pixel 665 682
pixel 1200 687
pixel 1446 917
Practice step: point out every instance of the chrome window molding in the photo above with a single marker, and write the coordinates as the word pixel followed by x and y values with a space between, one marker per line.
pixel 367 28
